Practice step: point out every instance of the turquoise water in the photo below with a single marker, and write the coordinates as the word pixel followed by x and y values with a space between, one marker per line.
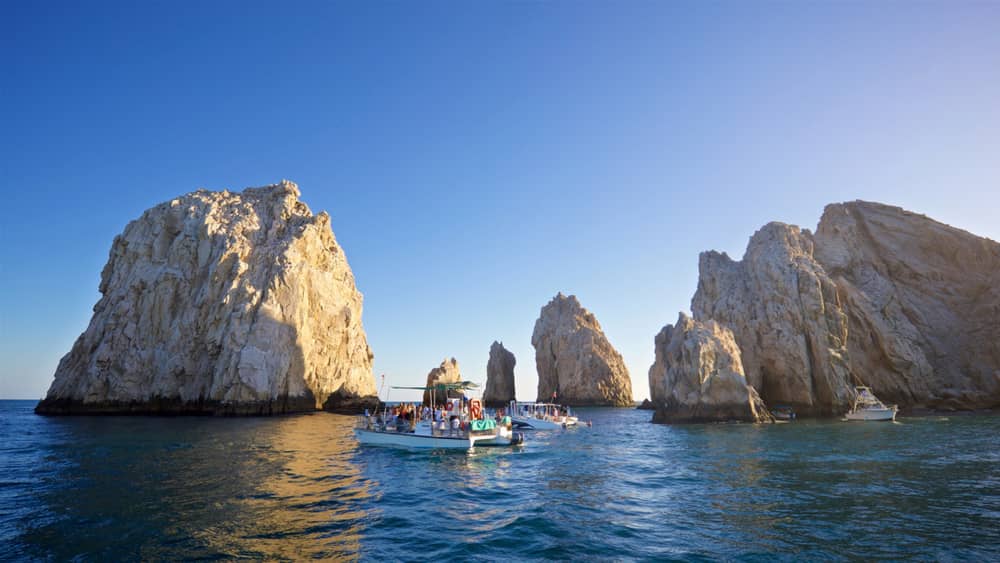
pixel 300 487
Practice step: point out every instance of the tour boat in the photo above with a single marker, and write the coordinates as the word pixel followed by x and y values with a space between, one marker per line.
pixel 783 413
pixel 868 407
pixel 464 426
pixel 541 416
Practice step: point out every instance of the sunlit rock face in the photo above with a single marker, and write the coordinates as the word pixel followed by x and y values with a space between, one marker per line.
pixel 447 372
pixel 698 376
pixel 786 316
pixel 574 359
pixel 499 390
pixel 923 304
pixel 221 302
pixel 878 296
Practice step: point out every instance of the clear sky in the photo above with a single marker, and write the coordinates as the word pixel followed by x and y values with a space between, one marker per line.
pixel 479 157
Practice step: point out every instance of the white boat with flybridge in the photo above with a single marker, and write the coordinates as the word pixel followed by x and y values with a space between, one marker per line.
pixel 868 407
pixel 541 416
pixel 457 423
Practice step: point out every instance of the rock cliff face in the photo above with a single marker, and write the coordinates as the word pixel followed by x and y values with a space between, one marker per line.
pixel 447 372
pixel 698 376
pixel 575 360
pixel 221 302
pixel 922 301
pixel 786 316
pixel 879 296
pixel 499 390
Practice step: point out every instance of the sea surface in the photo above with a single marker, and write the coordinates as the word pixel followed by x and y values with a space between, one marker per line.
pixel 297 487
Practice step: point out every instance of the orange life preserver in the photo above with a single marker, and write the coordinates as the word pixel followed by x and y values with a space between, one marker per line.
pixel 450 405
pixel 476 409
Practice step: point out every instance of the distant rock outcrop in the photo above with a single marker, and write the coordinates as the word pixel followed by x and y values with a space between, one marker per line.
pixel 447 372
pixel 499 390
pixel 698 376
pixel 574 359
pixel 221 302
pixel 878 296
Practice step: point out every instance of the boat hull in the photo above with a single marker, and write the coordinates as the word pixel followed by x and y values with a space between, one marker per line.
pixel 532 423
pixel 886 415
pixel 426 441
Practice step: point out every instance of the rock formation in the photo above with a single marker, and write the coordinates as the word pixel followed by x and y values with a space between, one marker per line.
pixel 786 316
pixel 698 376
pixel 499 390
pixel 878 296
pixel 447 372
pixel 221 302
pixel 575 360
pixel 922 301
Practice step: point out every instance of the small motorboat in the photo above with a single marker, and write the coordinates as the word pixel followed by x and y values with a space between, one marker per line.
pixel 541 416
pixel 868 407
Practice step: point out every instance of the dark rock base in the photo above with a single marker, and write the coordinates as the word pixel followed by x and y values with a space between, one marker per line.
pixel 175 407
pixel 351 404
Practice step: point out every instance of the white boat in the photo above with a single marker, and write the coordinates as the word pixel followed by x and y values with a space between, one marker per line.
pixel 541 416
pixel 463 426
pixel 868 407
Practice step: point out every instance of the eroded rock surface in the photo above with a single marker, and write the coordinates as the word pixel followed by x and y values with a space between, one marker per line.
pixel 447 372
pixel 698 376
pixel 878 296
pixel 786 316
pixel 221 302
pixel 923 304
pixel 575 360
pixel 499 390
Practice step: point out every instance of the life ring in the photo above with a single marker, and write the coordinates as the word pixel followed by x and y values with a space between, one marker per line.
pixel 450 405
pixel 476 409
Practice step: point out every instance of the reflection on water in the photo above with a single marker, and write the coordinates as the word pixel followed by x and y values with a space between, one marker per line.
pixel 300 487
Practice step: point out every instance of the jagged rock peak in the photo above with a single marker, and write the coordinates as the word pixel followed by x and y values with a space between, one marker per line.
pixel 499 377
pixel 447 372
pixel 574 358
pixel 221 302
pixel 698 376
pixel 786 316
pixel 879 296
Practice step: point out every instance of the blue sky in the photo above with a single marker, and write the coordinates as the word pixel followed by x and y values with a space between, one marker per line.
pixel 477 158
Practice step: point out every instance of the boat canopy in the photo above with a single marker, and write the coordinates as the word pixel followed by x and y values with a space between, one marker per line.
pixel 461 385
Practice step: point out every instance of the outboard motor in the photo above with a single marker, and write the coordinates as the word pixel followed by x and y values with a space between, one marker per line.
pixel 517 438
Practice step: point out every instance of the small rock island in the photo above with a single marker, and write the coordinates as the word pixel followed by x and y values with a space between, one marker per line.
pixel 221 303
pixel 575 361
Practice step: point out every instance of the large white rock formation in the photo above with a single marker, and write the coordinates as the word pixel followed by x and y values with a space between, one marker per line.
pixel 878 296
pixel 575 360
pixel 221 302
pixel 786 316
pixel 499 390
pixel 698 376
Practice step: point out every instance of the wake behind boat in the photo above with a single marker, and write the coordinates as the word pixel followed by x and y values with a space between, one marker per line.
pixel 458 424
pixel 868 407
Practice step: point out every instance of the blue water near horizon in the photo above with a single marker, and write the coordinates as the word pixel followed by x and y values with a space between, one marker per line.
pixel 295 487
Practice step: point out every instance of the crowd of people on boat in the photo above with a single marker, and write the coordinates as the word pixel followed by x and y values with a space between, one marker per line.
pixel 404 417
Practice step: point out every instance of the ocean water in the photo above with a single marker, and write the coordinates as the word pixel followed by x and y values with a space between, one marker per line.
pixel 296 487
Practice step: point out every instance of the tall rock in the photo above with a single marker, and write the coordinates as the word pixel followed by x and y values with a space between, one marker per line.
pixel 499 390
pixel 786 316
pixel 923 304
pixel 878 296
pixel 575 360
pixel 698 376
pixel 447 372
pixel 221 302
